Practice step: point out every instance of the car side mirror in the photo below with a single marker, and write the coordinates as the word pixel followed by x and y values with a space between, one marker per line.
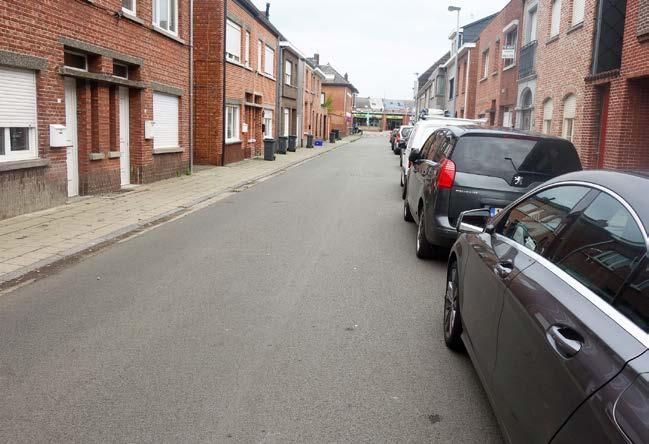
pixel 474 221
pixel 415 155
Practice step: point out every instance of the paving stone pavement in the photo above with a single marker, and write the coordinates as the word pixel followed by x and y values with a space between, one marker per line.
pixel 31 241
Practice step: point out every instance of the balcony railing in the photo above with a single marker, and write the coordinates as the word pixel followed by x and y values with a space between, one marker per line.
pixel 527 60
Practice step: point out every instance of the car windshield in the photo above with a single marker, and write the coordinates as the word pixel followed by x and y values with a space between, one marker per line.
pixel 507 156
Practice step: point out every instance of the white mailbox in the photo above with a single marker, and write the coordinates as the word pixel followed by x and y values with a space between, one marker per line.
pixel 148 129
pixel 59 136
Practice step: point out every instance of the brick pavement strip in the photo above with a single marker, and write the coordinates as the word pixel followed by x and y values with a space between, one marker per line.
pixel 32 241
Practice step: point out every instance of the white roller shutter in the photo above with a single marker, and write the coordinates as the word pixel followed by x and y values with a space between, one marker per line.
pixel 570 107
pixel 165 116
pixel 17 98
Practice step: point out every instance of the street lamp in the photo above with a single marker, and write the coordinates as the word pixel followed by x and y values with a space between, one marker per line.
pixel 457 49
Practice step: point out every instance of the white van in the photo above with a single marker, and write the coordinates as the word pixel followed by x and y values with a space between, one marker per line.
pixel 420 133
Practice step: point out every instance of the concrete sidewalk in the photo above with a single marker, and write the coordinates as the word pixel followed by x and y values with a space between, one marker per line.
pixel 32 241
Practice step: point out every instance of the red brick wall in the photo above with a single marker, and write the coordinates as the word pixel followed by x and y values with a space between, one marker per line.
pixel 462 93
pixel 342 101
pixel 242 82
pixel 209 78
pixel 500 85
pixel 34 28
pixel 315 115
pixel 562 64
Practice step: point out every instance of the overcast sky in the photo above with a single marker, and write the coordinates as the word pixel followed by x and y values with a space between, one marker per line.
pixel 380 43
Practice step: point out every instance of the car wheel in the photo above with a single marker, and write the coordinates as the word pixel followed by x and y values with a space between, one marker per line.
pixel 452 319
pixel 425 249
pixel 407 215
pixel 401 178
pixel 404 193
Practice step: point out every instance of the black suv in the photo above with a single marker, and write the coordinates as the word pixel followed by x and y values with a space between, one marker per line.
pixel 463 168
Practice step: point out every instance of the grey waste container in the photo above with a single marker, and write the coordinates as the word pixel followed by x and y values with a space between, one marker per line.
pixel 269 149
pixel 309 140
pixel 281 146
pixel 332 137
pixel 292 143
pixel 337 133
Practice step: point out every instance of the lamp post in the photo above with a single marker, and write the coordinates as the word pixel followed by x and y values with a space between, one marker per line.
pixel 457 50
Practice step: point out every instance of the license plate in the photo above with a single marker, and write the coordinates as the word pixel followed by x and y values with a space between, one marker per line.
pixel 493 211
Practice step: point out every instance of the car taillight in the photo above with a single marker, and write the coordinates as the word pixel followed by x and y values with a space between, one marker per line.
pixel 446 174
pixel 398 137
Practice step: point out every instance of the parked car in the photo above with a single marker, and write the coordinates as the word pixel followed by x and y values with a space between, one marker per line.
pixel 461 168
pixel 400 139
pixel 420 133
pixel 393 138
pixel 551 300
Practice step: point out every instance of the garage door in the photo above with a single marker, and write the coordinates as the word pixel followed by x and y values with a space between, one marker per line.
pixel 165 116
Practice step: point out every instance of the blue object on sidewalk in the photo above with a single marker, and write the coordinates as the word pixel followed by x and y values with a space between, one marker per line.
pixel 318 142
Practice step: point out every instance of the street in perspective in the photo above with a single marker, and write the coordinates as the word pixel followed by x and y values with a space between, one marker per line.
pixel 269 222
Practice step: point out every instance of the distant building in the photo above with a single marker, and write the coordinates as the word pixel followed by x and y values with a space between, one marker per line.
pixel 316 117
pixel 375 114
pixel 342 93
pixel 431 87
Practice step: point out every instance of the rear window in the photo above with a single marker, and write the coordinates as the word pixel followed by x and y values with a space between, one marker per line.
pixel 405 132
pixel 507 157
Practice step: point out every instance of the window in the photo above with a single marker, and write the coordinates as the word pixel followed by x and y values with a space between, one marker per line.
pixel 287 117
pixel 526 110
pixel 165 15
pixel 269 61
pixel 555 17
pixel 247 50
pixel 601 246
pixel 531 25
pixel 231 123
pixel 260 47
pixel 120 70
pixel 569 109
pixel 633 300
pixel 289 72
pixel 322 99
pixel 17 114
pixel 510 44
pixel 485 63
pixel 233 41
pixel 75 60
pixel 537 221
pixel 165 116
pixel 548 109
pixel 507 117
pixel 440 85
pixel 578 7
pixel 128 6
pixel 450 88
pixel 268 124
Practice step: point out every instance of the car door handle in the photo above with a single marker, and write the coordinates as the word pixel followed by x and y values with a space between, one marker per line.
pixel 502 269
pixel 565 341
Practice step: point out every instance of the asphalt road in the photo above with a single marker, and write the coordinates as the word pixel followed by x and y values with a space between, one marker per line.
pixel 294 311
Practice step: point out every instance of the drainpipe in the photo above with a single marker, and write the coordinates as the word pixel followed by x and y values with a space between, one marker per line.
pixel 278 87
pixel 225 26
pixel 191 86
pixel 466 84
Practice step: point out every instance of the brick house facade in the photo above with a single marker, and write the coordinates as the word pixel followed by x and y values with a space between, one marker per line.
pixel 467 76
pixel 315 114
pixel 563 61
pixel 496 88
pixel 615 133
pixel 341 92
pixel 78 64
pixel 290 112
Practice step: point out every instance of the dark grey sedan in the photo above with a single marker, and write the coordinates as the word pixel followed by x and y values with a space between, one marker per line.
pixel 551 300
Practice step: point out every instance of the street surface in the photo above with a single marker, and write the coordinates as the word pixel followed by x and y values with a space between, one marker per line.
pixel 294 311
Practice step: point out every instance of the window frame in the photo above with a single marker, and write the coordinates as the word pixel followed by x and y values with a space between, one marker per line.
pixel 156 15
pixel 269 50
pixel 286 124
pixel 230 56
pixel 555 18
pixel 513 30
pixel 234 121
pixel 485 63
pixel 288 72
pixel 568 121
pixel 76 53
pixel 268 133
pixel 32 128
pixel 547 122
pixel 123 65
pixel 130 11
pixel 578 14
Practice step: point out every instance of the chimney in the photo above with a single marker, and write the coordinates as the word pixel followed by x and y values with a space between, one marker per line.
pixel 316 58
pixel 346 77
pixel 268 10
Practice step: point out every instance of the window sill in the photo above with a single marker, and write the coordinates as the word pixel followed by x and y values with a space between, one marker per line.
pixel 574 28
pixel 232 142
pixel 554 38
pixel 507 68
pixel 483 79
pixel 239 64
pixel 268 76
pixel 168 34
pixel 494 74
pixel 114 154
pixel 167 150
pixel 96 156
pixel 132 17
pixel 24 164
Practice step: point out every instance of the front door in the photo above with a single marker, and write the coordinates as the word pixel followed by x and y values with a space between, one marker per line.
pixel 124 150
pixel 72 152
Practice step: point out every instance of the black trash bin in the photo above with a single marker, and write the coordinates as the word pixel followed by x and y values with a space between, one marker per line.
pixel 292 143
pixel 281 146
pixel 332 137
pixel 337 133
pixel 269 149
pixel 309 140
